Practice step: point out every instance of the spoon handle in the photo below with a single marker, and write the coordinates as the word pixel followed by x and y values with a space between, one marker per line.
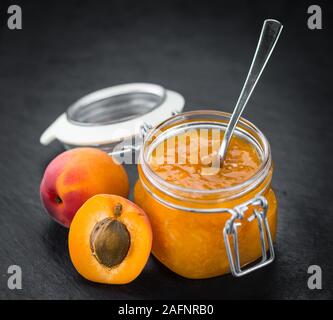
pixel 270 33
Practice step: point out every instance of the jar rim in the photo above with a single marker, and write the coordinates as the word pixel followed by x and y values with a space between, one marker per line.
pixel 247 184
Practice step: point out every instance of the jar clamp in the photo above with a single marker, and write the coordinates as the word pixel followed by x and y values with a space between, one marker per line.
pixel 230 228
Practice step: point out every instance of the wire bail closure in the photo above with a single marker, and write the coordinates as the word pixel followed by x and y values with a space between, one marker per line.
pixel 230 228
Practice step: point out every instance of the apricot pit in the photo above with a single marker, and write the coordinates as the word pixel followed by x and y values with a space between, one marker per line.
pixel 110 240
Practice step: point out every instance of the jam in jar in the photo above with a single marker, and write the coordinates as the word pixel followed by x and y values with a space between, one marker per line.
pixel 206 220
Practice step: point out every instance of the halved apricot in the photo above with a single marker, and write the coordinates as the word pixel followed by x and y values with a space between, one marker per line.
pixel 110 239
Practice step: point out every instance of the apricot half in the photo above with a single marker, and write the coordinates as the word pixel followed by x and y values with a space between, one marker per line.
pixel 110 239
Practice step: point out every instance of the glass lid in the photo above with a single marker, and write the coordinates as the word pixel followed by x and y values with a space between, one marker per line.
pixel 113 114
pixel 108 107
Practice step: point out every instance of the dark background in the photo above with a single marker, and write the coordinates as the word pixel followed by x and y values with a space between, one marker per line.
pixel 70 48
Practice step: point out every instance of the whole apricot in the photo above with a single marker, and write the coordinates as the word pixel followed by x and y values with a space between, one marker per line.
pixel 109 240
pixel 76 175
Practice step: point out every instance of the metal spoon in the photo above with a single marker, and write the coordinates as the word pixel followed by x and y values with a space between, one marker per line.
pixel 270 33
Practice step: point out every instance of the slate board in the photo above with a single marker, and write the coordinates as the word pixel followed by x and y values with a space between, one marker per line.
pixel 68 49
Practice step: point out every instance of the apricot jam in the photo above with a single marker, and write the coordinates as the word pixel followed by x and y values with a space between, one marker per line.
pixel 206 221
pixel 182 164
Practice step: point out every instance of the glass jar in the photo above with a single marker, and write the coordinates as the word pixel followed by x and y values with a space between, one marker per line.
pixel 206 233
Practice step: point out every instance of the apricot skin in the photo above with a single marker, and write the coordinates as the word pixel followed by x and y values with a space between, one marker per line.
pixel 95 210
pixel 76 175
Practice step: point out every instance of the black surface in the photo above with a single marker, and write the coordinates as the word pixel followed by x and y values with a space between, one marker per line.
pixel 68 49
